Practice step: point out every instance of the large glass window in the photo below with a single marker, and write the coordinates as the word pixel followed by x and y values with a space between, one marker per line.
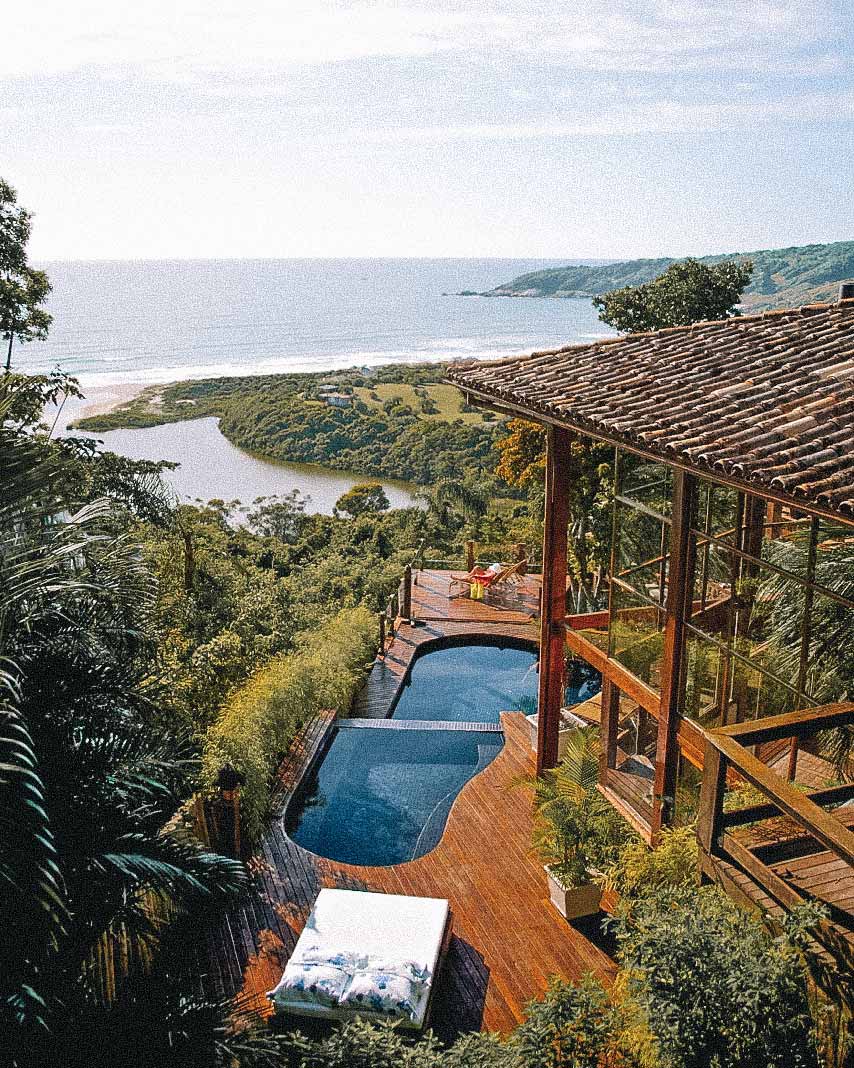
pixel 772 613
pixel 640 567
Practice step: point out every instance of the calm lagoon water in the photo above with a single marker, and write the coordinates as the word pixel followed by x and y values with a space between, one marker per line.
pixel 211 467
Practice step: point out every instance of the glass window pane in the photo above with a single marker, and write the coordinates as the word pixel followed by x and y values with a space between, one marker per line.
pixel 636 638
pixel 717 510
pixel 705 679
pixel 650 484
pixel 687 802
pixel 641 539
pixel 830 663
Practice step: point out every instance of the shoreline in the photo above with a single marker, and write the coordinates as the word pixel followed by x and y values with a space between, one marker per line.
pixel 97 400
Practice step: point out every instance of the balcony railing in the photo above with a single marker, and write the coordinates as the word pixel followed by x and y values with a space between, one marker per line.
pixel 802 823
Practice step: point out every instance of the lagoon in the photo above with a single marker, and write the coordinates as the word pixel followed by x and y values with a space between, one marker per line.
pixel 212 468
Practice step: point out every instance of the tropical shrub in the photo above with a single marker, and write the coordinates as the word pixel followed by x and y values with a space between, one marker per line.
pixel 716 988
pixel 91 874
pixel 572 1027
pixel 259 720
pixel 639 871
pixel 576 831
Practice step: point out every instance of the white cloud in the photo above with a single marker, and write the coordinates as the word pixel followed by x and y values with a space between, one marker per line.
pixel 204 42
pixel 659 117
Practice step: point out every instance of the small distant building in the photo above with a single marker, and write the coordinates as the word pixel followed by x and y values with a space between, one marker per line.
pixel 338 400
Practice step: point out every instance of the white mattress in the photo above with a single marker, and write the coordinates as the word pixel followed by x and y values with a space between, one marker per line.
pixel 376 925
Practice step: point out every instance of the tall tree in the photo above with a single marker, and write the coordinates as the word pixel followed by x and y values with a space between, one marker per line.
pixel 23 290
pixel 687 292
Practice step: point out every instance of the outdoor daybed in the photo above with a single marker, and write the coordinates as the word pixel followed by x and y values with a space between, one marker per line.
pixel 363 954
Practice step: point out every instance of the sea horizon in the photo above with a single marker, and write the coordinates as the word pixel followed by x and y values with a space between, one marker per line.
pixel 151 322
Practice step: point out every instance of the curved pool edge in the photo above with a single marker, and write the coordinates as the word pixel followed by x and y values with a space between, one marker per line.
pixel 451 641
pixel 345 867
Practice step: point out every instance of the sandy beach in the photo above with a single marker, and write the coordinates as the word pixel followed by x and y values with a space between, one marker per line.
pixel 97 401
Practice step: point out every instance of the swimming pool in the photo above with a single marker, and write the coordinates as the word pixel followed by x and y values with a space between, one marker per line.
pixel 383 789
pixel 382 794
pixel 470 684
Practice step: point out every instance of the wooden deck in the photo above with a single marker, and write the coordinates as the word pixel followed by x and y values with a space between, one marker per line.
pixel 508 613
pixel 507 938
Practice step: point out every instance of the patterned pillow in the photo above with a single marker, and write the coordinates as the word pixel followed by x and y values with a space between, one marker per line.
pixel 410 969
pixel 313 984
pixel 350 962
pixel 395 996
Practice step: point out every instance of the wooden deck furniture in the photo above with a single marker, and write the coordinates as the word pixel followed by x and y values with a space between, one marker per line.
pixel 508 576
pixel 809 855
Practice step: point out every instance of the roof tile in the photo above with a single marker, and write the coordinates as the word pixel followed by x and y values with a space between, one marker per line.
pixel 768 398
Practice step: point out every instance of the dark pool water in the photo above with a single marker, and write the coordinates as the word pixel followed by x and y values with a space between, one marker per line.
pixel 383 790
pixel 382 796
pixel 470 684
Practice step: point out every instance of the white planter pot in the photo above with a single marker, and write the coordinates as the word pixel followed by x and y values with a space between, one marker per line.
pixel 569 725
pixel 573 904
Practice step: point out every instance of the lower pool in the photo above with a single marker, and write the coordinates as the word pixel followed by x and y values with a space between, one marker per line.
pixel 381 795
pixel 383 789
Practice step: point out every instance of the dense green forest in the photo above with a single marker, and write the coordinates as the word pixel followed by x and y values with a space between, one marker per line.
pixel 396 422
pixel 783 277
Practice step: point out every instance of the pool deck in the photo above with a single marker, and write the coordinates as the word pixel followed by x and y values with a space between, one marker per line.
pixel 507 937
pixel 507 613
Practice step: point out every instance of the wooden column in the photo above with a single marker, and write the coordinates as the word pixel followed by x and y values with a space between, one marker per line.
pixel 679 595
pixel 406 600
pixel 608 728
pixel 711 800
pixel 553 615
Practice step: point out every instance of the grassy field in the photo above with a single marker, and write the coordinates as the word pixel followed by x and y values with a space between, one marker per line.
pixel 448 400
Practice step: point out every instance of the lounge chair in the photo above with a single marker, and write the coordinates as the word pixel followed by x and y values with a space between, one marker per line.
pixel 488 578
pixel 365 954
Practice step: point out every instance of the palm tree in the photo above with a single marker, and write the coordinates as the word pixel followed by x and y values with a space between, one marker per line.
pixel 89 860
pixel 831 670
pixel 575 828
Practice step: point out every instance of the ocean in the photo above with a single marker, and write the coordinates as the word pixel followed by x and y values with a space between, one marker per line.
pixel 119 325
pixel 158 321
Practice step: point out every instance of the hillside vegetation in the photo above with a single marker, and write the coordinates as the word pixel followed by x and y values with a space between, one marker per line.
pixel 782 277
pixel 401 422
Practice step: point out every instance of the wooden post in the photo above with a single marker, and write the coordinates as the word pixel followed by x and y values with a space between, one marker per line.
pixel 381 617
pixel 520 557
pixel 553 616
pixel 711 800
pixel 608 727
pixel 406 603
pixel 469 556
pixel 679 594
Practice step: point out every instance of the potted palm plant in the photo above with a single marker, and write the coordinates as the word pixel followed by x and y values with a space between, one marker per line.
pixel 576 831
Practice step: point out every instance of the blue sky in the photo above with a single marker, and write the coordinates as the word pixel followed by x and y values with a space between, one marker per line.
pixel 508 128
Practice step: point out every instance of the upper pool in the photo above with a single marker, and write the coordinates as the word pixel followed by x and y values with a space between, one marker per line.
pixel 469 684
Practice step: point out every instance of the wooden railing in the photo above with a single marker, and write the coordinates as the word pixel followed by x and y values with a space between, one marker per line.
pixel 728 758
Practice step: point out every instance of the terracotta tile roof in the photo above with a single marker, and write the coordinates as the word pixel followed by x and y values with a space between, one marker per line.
pixel 767 400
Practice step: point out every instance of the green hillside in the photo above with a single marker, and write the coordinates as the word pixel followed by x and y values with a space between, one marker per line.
pixel 782 277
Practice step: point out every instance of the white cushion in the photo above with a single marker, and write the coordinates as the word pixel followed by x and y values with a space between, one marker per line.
pixel 395 996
